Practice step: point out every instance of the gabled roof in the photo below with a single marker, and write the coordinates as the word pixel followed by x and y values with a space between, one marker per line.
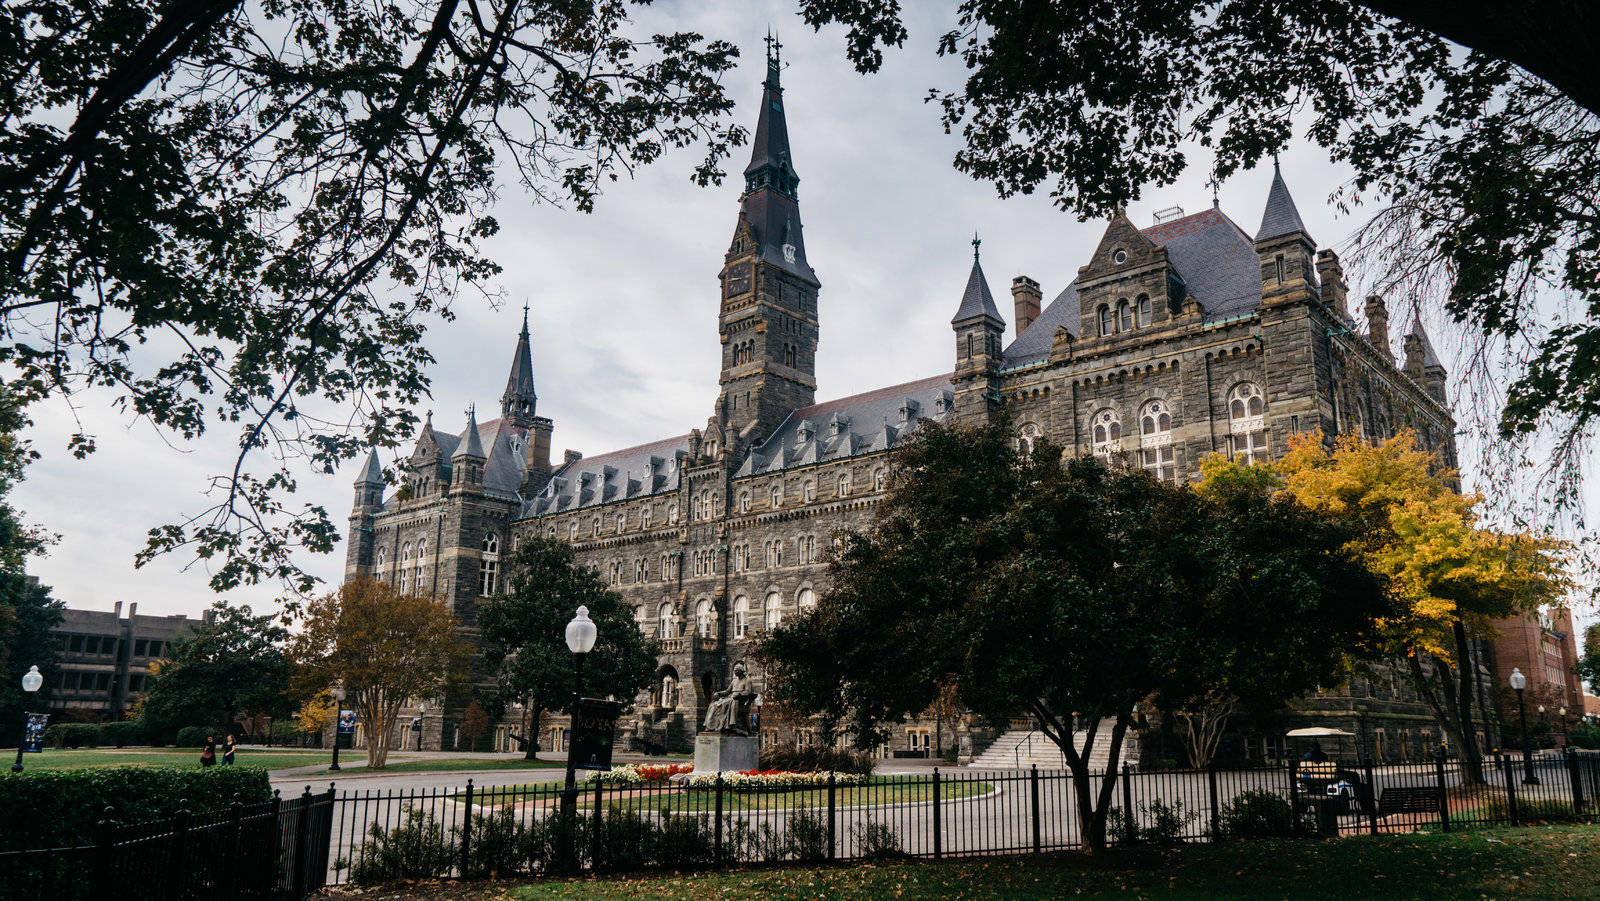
pixel 866 423
pixel 646 469
pixel 371 471
pixel 1214 257
pixel 1280 216
pixel 976 301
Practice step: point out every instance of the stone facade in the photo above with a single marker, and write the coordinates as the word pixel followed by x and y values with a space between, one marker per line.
pixel 1176 341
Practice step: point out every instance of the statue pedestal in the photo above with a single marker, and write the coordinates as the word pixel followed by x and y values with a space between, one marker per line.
pixel 718 753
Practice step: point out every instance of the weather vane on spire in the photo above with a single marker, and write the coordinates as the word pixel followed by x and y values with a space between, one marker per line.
pixel 774 48
pixel 1216 188
pixel 975 242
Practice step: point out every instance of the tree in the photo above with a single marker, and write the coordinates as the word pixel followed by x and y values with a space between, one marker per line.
pixel 524 635
pixel 1454 575
pixel 1589 663
pixel 27 612
pixel 271 201
pixel 945 708
pixel 1479 165
pixel 316 713
pixel 231 665
pixel 475 723
pixel 978 572
pixel 383 647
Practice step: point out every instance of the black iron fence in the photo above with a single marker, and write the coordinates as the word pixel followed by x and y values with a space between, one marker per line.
pixel 276 850
pixel 381 836
pixel 289 849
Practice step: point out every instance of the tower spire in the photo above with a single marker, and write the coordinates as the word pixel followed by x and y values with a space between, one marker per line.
pixel 518 403
pixel 1280 217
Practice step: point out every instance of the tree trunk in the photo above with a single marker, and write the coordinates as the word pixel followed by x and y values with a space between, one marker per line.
pixel 1440 693
pixel 1091 807
pixel 530 731
pixel 1470 756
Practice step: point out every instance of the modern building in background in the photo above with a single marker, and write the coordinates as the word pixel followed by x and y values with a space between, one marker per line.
pixel 104 659
pixel 1186 338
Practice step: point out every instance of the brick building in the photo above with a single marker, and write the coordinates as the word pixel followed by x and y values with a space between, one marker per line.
pixel 104 659
pixel 1544 646
pixel 1188 338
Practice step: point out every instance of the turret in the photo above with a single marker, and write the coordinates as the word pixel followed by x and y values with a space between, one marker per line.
pixel 1427 370
pixel 519 403
pixel 466 464
pixel 363 514
pixel 1284 248
pixel 978 329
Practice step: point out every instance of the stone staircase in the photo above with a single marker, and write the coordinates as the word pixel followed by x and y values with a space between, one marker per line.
pixel 1019 749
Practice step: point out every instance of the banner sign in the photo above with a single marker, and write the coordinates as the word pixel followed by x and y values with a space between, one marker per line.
pixel 33 733
pixel 593 731
pixel 347 722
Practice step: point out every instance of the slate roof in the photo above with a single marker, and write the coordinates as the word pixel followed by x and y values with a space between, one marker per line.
pixel 371 471
pixel 470 444
pixel 976 301
pixel 1214 257
pixel 520 382
pixel 647 469
pixel 860 424
pixel 1280 216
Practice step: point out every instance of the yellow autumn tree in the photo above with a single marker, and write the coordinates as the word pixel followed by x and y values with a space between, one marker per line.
pixel 316 713
pixel 1454 574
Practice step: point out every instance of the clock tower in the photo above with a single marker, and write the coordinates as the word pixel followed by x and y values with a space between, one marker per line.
pixel 768 319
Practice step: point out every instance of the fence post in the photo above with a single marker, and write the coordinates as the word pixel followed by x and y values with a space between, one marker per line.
pixel 832 845
pixel 104 851
pixel 1444 794
pixel 1130 828
pixel 597 837
pixel 229 871
pixel 1511 790
pixel 1370 802
pixel 938 831
pixel 1211 785
pixel 181 872
pixel 1033 788
pixel 302 845
pixel 716 839
pixel 466 831
pixel 319 860
pixel 1576 778
pixel 1294 799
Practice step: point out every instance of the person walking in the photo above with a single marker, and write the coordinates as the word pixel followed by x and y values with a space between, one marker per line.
pixel 227 751
pixel 208 754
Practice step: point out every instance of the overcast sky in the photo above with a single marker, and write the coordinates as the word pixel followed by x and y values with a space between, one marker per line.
pixel 624 300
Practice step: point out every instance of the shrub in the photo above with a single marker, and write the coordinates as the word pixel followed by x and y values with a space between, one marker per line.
pixel 1549 810
pixel 686 841
pixel 193 737
pixel 418 848
pixel 877 841
pixel 1167 822
pixel 127 732
pixel 1257 813
pixel 499 846
pixel 1585 735
pixel 623 840
pixel 815 760
pixel 806 836
pixel 77 799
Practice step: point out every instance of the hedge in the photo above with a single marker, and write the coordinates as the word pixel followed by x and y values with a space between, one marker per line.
pixel 54 808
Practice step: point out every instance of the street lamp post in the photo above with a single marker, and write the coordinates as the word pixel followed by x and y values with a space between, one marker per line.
pixel 1562 712
pixel 1518 683
pixel 581 633
pixel 30 684
pixel 338 702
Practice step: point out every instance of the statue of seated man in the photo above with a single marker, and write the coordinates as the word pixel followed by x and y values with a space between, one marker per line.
pixel 729 713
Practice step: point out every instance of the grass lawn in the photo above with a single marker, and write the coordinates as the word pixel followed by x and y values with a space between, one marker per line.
pixel 83 758
pixel 446 764
pixel 882 790
pixel 1537 862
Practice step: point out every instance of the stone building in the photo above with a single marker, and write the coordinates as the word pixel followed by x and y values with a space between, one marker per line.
pixel 1188 338
pixel 103 659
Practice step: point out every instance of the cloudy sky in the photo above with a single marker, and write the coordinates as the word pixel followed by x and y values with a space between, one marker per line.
pixel 624 300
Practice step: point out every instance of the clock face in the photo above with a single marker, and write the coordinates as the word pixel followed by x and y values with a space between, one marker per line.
pixel 738 280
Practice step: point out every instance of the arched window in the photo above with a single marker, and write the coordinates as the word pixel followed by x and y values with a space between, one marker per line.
pixel 1247 423
pixel 744 501
pixel 1155 440
pixel 383 554
pixel 808 491
pixel 741 557
pixel 1106 430
pixel 844 484
pixel 489 567
pixel 1105 320
pixel 422 554
pixel 1144 310
pixel 880 478
pixel 777 495
pixel 774 610
pixel 1124 317
pixel 705 619
pixel 572 530
pixel 667 618
pixel 622 522
pixel 665 571
pixel 804 545
pixel 405 568
pixel 806 599
pixel 645 516
pixel 672 514
pixel 741 616
pixel 1026 437
pixel 641 570
pixel 669 691
pixel 594 527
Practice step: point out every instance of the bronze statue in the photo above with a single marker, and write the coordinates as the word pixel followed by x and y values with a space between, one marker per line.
pixel 729 713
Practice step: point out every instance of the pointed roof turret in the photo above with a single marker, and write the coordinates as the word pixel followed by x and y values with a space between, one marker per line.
pixel 1280 217
pixel 518 403
pixel 1429 357
pixel 372 471
pixel 770 160
pixel 770 206
pixel 976 301
pixel 471 445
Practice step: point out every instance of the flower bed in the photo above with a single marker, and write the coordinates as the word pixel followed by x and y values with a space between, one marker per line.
pixel 775 780
pixel 641 773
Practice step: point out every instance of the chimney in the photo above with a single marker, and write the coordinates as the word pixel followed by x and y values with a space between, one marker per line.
pixel 572 456
pixel 116 610
pixel 1334 289
pixel 1025 299
pixel 1413 367
pixel 1378 326
pixel 132 609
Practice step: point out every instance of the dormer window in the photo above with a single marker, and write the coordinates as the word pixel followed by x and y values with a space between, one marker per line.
pixel 908 410
pixel 941 404
pixel 804 431
pixel 839 425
